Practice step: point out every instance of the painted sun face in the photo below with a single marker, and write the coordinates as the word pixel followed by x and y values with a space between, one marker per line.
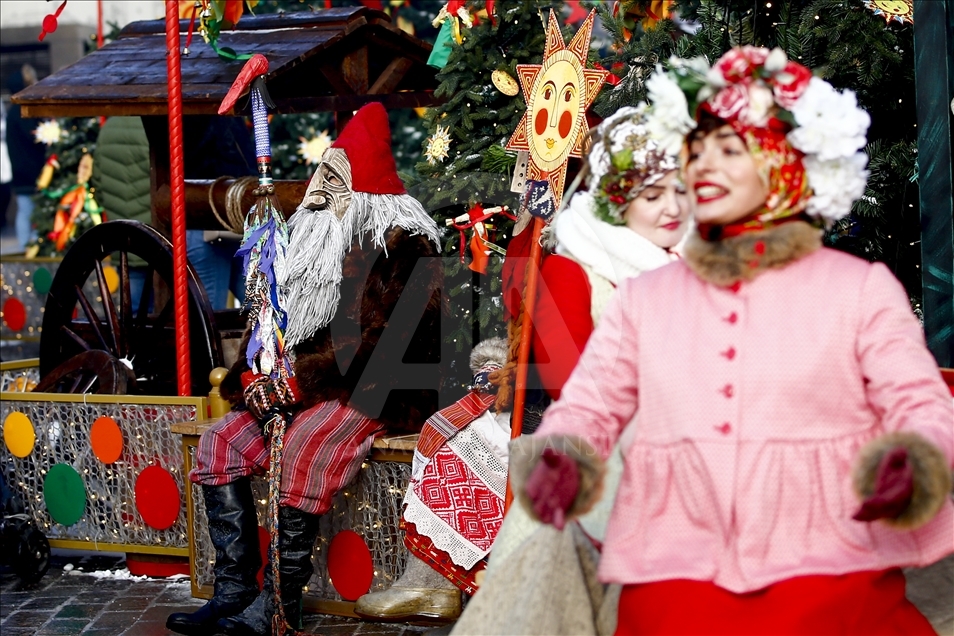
pixel 894 7
pixel 556 111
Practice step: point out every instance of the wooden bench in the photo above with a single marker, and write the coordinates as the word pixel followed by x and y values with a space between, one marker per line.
pixel 370 506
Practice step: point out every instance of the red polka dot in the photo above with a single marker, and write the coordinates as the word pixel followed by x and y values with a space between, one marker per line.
pixel 566 123
pixel 157 498
pixel 349 565
pixel 106 440
pixel 264 541
pixel 14 314
pixel 540 123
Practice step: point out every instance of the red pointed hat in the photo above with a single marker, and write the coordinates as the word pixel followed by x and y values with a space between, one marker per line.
pixel 366 139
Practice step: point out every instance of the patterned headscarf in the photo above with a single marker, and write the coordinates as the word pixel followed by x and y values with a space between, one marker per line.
pixel 625 158
pixel 805 136
pixel 750 108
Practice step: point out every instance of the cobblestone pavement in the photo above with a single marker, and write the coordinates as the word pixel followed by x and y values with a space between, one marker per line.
pixel 71 602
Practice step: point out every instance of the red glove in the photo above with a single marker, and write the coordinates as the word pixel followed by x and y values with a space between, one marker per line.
pixel 894 486
pixel 552 486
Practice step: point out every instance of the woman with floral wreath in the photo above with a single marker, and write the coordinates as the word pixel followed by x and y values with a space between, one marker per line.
pixel 635 212
pixel 795 439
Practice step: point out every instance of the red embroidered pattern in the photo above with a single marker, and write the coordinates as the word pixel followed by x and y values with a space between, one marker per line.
pixel 456 495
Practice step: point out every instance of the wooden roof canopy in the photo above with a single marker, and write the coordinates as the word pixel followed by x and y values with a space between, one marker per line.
pixel 332 60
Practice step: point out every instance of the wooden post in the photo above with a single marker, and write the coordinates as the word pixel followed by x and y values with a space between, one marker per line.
pixel 933 66
pixel 180 292
pixel 526 338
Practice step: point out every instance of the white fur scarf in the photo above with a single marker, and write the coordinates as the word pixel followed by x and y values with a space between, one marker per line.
pixel 318 244
pixel 615 252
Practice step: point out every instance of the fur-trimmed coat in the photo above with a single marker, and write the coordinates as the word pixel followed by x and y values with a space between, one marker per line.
pixel 381 352
pixel 765 370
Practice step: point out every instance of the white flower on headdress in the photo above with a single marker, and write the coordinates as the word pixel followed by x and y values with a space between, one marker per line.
pixel 758 107
pixel 49 132
pixel 669 119
pixel 776 60
pixel 830 124
pixel 835 184
pixel 312 149
pixel 623 128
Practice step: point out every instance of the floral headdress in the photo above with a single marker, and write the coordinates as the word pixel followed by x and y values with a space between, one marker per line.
pixel 804 135
pixel 624 159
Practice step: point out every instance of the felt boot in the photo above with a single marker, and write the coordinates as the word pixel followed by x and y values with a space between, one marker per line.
pixel 421 592
pixel 233 529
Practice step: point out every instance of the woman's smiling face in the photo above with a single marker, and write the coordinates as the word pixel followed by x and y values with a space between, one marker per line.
pixel 660 212
pixel 723 181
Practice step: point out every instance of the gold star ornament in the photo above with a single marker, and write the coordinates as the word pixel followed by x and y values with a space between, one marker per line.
pixel 558 92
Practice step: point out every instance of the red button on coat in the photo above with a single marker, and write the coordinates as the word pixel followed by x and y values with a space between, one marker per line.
pixel 731 318
pixel 729 353
pixel 728 391
pixel 725 429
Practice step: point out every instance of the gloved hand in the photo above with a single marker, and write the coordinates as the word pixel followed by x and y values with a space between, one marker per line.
pixel 265 395
pixel 552 486
pixel 893 488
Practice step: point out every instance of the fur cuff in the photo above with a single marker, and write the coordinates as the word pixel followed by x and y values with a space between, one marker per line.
pixel 742 258
pixel 525 452
pixel 932 476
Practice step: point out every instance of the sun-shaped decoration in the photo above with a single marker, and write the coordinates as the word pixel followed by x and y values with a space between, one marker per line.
pixel 437 145
pixel 312 149
pixel 900 10
pixel 49 132
pixel 557 93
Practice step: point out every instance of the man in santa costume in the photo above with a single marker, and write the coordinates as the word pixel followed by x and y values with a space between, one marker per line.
pixel 361 278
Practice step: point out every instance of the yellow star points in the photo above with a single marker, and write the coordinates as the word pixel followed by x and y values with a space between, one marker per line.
pixel 558 93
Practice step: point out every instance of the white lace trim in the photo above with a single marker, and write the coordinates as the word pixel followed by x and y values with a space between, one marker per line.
pixel 479 445
pixel 482 445
pixel 462 552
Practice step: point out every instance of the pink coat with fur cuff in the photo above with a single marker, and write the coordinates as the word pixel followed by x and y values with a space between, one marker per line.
pixel 753 405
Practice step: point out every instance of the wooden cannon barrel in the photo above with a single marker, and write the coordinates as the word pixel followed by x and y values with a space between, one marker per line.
pixel 199 215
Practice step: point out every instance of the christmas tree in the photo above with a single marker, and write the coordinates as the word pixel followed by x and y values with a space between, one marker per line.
pixel 466 164
pixel 846 44
pixel 68 141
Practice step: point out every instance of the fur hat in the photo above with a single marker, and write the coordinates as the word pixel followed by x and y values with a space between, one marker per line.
pixel 489 354
pixel 366 139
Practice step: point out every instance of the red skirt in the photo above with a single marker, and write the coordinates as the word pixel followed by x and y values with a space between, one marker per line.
pixel 859 603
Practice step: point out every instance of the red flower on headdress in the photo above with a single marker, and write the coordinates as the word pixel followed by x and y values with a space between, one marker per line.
pixel 739 64
pixel 728 102
pixel 789 85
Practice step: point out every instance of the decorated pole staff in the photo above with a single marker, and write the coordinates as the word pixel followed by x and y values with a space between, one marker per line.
pixel 269 385
pixel 558 92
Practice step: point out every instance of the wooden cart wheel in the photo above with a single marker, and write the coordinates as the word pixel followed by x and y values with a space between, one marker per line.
pixel 93 371
pixel 138 330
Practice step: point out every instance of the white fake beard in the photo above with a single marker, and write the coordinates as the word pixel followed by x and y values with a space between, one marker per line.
pixel 318 244
pixel 313 266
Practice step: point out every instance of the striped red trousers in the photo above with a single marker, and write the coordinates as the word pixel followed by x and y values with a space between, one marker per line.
pixel 324 448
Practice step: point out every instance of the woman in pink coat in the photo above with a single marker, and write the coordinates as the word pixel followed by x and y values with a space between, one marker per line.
pixel 795 438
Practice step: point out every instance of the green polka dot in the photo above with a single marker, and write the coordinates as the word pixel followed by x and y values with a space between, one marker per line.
pixel 42 279
pixel 64 494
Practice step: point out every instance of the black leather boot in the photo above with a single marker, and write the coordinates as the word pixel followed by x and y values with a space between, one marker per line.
pixel 233 528
pixel 297 532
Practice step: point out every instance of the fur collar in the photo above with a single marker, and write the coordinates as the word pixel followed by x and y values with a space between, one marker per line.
pixel 742 258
